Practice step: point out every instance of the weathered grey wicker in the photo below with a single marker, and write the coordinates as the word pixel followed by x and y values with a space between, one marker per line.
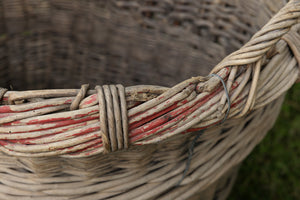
pixel 145 141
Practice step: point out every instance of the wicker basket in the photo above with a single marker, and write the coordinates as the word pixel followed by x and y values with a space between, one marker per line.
pixel 145 141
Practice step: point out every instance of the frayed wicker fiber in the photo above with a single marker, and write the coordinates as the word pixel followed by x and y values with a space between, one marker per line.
pixel 141 128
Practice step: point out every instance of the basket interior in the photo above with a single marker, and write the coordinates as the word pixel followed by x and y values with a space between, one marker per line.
pixel 63 44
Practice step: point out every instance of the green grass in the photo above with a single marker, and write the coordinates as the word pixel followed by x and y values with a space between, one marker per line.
pixel 272 170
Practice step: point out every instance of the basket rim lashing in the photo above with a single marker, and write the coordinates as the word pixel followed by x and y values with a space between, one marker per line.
pixel 111 117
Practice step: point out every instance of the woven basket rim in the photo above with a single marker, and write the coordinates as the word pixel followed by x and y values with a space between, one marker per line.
pixel 209 91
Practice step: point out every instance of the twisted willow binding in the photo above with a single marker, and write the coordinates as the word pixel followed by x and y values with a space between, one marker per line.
pixel 132 142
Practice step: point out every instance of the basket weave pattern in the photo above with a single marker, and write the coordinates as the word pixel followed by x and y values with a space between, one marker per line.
pixel 132 142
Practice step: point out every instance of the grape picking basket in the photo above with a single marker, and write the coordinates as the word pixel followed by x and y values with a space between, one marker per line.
pixel 148 99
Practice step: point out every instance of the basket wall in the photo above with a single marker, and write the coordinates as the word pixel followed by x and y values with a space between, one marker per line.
pixel 143 172
pixel 62 44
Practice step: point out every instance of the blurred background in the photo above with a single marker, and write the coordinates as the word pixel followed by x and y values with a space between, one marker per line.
pixel 272 170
